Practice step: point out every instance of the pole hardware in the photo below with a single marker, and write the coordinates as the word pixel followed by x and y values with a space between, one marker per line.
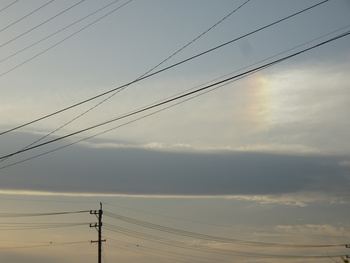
pixel 98 227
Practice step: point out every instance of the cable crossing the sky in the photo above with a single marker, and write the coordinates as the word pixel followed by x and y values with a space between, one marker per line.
pixel 41 214
pixel 259 68
pixel 161 70
pixel 39 25
pixel 170 106
pixel 56 44
pixel 116 92
pixel 205 248
pixel 8 5
pixel 56 32
pixel 15 22
pixel 210 237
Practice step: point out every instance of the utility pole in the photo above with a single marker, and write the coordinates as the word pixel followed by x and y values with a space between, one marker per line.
pixel 98 227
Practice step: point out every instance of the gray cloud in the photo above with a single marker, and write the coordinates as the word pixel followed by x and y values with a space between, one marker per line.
pixel 148 172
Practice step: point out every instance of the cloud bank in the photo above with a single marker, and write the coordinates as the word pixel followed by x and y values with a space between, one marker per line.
pixel 141 171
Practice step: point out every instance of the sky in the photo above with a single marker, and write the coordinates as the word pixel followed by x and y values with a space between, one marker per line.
pixel 262 158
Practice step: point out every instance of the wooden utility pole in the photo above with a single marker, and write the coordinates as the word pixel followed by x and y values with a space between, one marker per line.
pixel 98 227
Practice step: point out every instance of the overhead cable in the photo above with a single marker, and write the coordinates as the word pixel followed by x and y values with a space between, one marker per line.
pixel 42 23
pixel 41 214
pixel 157 250
pixel 161 70
pixel 58 31
pixel 8 5
pixel 40 7
pixel 35 226
pixel 203 248
pixel 196 38
pixel 209 237
pixel 172 105
pixel 180 96
pixel 49 244
pixel 116 92
pixel 66 38
pixel 95 21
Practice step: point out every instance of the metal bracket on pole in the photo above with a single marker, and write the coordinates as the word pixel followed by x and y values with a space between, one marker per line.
pixel 98 227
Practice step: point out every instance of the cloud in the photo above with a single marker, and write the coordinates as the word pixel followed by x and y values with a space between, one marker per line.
pixel 143 171
pixel 315 230
pixel 280 148
pixel 301 199
pixel 344 163
pixel 289 107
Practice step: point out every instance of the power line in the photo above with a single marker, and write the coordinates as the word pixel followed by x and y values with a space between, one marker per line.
pixel 160 252
pixel 95 21
pixel 179 97
pixel 36 226
pixel 26 15
pixel 12 226
pixel 46 245
pixel 41 214
pixel 113 94
pixel 164 253
pixel 210 237
pixel 196 38
pixel 8 5
pixel 86 138
pixel 39 25
pixel 173 217
pixel 58 31
pixel 66 38
pixel 147 115
pixel 155 112
pixel 159 71
pixel 202 248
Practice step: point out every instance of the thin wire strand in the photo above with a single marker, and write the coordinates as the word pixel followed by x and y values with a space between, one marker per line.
pixel 184 256
pixel 113 94
pixel 41 214
pixel 159 71
pixel 58 31
pixel 8 5
pixel 47 245
pixel 203 90
pixel 51 47
pixel 208 249
pixel 28 226
pixel 104 256
pixel 42 23
pixel 196 38
pixel 159 253
pixel 6 27
pixel 176 98
pixel 211 237
pixel 173 217
pixel 95 21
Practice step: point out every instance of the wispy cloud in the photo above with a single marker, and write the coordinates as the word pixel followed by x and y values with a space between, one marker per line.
pixel 315 230
pixel 301 199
